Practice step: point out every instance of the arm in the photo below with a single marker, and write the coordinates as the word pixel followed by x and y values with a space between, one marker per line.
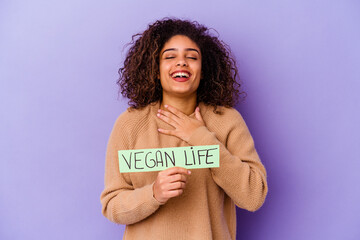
pixel 121 203
pixel 241 174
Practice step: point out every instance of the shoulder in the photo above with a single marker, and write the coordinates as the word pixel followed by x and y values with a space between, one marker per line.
pixel 226 124
pixel 132 114
pixel 132 118
pixel 128 125
pixel 223 114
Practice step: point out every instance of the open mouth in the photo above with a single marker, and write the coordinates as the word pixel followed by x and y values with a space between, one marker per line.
pixel 181 76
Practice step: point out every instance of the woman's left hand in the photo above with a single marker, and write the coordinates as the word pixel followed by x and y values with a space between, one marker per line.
pixel 183 124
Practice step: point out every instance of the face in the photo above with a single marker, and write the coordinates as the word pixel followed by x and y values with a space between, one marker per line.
pixel 180 67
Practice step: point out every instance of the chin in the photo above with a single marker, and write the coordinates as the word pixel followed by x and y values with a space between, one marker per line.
pixel 180 92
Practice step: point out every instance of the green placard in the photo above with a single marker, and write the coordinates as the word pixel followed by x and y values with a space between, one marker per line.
pixel 158 159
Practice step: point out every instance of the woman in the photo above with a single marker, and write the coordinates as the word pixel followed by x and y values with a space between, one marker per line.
pixel 181 84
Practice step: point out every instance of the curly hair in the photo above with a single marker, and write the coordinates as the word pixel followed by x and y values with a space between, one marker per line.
pixel 139 81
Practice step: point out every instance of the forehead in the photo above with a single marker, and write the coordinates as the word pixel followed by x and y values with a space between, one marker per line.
pixel 179 42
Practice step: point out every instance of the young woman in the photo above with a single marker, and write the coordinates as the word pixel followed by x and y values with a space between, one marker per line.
pixel 181 82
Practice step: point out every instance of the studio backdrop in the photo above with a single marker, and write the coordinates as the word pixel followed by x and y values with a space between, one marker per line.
pixel 298 63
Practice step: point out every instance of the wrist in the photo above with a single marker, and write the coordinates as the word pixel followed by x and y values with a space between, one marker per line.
pixel 153 190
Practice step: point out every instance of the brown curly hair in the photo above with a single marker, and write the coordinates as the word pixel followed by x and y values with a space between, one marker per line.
pixel 139 81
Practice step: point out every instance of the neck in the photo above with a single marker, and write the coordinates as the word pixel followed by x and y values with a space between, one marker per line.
pixel 186 105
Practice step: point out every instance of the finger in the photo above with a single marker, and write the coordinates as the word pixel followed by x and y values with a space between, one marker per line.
pixel 198 114
pixel 167 120
pixel 177 185
pixel 174 193
pixel 175 111
pixel 169 115
pixel 177 178
pixel 168 132
pixel 177 170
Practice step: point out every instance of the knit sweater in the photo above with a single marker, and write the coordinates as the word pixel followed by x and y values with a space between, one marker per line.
pixel 206 209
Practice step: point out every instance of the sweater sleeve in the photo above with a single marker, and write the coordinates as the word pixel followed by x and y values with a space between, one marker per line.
pixel 241 174
pixel 121 202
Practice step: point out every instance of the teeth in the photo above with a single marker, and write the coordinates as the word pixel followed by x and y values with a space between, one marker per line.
pixel 180 74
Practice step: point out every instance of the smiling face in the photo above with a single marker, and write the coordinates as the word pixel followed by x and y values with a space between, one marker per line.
pixel 180 67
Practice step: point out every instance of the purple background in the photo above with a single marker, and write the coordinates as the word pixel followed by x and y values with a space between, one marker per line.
pixel 300 65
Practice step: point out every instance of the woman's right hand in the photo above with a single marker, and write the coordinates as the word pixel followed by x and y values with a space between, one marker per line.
pixel 170 183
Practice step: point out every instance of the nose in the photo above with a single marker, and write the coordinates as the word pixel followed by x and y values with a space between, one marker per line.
pixel 181 62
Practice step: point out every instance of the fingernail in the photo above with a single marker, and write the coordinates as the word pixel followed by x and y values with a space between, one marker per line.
pixel 166 105
pixel 189 172
pixel 158 114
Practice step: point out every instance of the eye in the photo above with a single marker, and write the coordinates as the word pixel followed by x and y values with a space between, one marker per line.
pixel 169 56
pixel 194 58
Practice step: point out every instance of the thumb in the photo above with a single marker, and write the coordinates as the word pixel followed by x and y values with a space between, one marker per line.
pixel 198 114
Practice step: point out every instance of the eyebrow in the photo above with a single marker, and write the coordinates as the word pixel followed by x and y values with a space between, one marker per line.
pixel 186 49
